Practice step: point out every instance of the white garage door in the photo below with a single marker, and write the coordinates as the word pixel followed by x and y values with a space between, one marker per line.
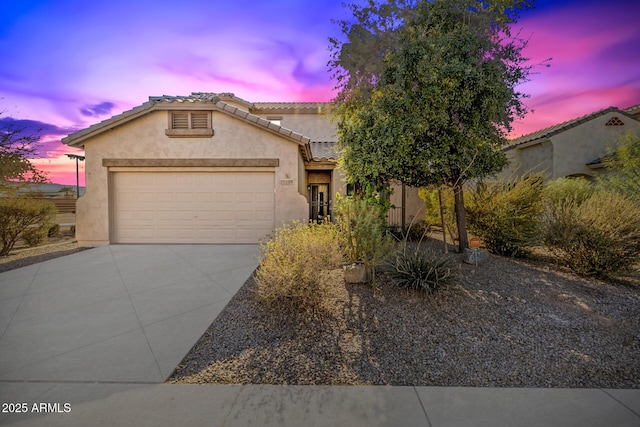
pixel 192 207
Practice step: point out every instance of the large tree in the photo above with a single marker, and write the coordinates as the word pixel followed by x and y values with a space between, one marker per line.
pixel 17 145
pixel 427 91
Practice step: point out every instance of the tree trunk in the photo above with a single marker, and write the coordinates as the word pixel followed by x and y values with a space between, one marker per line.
pixel 461 221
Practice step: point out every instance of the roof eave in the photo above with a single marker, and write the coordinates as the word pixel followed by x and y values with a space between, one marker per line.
pixel 158 104
pixel 76 139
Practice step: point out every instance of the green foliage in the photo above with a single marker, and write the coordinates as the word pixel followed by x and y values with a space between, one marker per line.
pixel 559 190
pixel 430 197
pixel 427 91
pixel 622 173
pixel 432 205
pixel 35 236
pixel 505 215
pixel 293 261
pixel 363 235
pixel 16 147
pixel 599 236
pixel 19 216
pixel 423 270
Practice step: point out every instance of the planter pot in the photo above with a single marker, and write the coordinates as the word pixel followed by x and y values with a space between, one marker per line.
pixel 356 273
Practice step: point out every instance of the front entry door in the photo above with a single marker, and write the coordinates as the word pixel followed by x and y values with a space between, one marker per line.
pixel 319 202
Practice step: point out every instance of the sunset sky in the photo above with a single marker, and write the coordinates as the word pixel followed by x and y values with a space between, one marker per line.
pixel 67 64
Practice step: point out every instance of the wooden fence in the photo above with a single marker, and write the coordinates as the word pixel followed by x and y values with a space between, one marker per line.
pixel 64 204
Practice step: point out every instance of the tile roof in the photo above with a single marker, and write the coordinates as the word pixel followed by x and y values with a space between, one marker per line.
pixel 320 107
pixel 325 150
pixel 634 110
pixel 76 138
pixel 561 127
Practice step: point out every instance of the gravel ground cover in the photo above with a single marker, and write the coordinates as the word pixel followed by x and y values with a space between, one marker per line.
pixel 508 323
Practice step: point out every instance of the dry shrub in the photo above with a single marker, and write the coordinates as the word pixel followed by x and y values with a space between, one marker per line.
pixel 293 261
pixel 598 236
pixel 505 215
pixel 24 217
pixel 559 190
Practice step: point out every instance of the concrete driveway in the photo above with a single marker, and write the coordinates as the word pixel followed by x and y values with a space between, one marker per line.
pixel 88 340
pixel 122 313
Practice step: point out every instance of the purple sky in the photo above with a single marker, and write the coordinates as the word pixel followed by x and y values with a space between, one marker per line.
pixel 67 64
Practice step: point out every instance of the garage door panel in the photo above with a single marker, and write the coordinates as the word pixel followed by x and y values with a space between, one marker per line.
pixel 192 207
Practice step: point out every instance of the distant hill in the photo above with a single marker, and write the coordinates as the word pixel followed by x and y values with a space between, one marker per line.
pixel 50 190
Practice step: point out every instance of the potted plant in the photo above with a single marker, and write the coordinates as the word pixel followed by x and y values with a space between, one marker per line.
pixel 363 237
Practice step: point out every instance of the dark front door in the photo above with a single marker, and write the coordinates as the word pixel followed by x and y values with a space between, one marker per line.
pixel 319 202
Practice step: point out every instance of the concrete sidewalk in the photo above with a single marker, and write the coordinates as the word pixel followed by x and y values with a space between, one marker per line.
pixel 89 338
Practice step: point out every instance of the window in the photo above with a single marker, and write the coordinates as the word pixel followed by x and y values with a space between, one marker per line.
pixel 189 124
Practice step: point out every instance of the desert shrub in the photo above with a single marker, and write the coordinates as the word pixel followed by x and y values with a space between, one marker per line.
pixel 622 167
pixel 363 231
pixel 505 214
pixel 19 215
pixel 53 230
pixel 292 263
pixel 432 205
pixel 432 208
pixel 599 236
pixel 423 270
pixel 557 191
pixel 35 236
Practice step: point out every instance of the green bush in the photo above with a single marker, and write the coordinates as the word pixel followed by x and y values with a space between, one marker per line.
pixel 432 205
pixel 19 215
pixel 559 190
pixel 35 236
pixel 423 270
pixel 599 236
pixel 622 167
pixel 292 263
pixel 363 232
pixel 505 215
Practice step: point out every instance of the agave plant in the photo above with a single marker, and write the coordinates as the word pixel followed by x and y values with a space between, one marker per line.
pixel 423 270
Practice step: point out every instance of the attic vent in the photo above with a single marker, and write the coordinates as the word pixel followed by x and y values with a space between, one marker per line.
pixel 614 121
pixel 180 121
pixel 189 124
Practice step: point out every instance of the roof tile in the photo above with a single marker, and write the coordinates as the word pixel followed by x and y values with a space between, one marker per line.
pixel 561 127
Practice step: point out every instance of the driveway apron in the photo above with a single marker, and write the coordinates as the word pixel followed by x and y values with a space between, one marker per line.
pixel 121 313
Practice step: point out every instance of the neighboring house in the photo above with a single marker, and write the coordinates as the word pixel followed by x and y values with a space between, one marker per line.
pixel 572 148
pixel 210 168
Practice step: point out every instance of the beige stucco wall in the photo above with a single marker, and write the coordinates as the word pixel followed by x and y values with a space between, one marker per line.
pixel 567 153
pixel 144 138
pixel 414 205
pixel 576 147
pixel 534 159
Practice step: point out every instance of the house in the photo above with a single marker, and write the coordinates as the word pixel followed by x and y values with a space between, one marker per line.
pixel 210 168
pixel 572 148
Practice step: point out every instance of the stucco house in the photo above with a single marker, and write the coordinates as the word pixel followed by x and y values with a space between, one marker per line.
pixel 571 148
pixel 210 168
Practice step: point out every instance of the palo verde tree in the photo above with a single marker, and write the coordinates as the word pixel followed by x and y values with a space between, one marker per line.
pixel 427 91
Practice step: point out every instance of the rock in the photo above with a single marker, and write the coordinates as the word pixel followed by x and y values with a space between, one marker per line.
pixel 356 273
pixel 475 256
